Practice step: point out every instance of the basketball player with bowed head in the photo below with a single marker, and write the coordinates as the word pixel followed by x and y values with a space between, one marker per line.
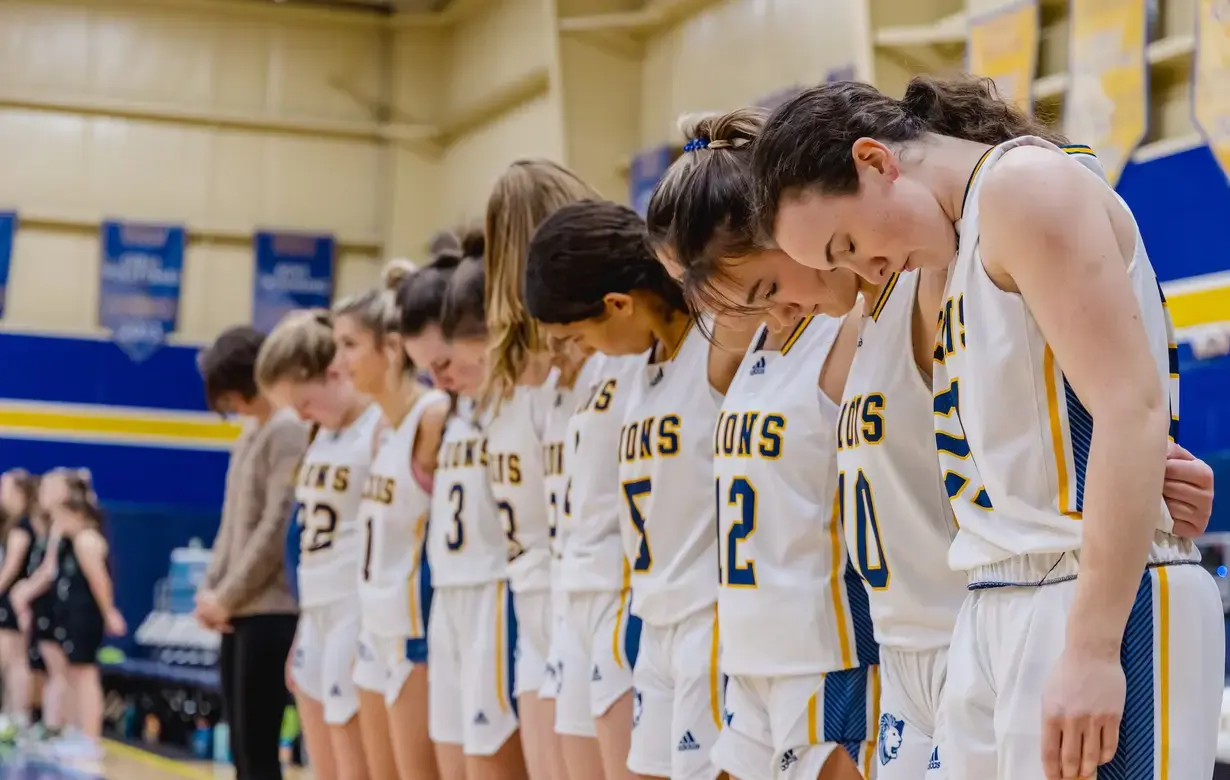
pixel 298 367
pixel 394 579
pixel 805 704
pixel 472 634
pixel 526 400
pixel 899 533
pixel 1053 400
pixel 591 278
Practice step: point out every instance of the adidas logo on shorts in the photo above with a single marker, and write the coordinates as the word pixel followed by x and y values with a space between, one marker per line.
pixel 597 675
pixel 758 367
pixel 335 691
pixel 480 719
pixel 688 742
pixel 934 763
pixel 788 759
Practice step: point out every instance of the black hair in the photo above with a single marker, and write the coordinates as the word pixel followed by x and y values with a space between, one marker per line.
pixel 464 312
pixel 585 251
pixel 228 365
pixel 420 295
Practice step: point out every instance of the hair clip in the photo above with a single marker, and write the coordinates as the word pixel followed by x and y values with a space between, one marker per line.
pixel 696 143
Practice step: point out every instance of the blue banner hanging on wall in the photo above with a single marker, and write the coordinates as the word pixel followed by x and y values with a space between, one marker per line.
pixel 644 174
pixel 293 271
pixel 139 288
pixel 8 229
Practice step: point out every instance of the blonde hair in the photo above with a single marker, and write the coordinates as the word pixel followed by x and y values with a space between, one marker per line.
pixel 526 194
pixel 376 310
pixel 300 349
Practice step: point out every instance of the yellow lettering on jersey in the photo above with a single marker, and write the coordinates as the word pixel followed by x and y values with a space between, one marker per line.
pixel 749 434
pixel 379 489
pixel 463 454
pixel 324 476
pixel 504 468
pixel 951 332
pixel 600 399
pixel 553 458
pixel 861 421
pixel 649 438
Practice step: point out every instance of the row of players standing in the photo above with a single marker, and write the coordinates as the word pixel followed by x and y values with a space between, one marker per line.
pixel 54 608
pixel 648 643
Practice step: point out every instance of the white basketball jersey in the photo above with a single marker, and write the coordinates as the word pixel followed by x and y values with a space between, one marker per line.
pixel 1012 435
pixel 557 488
pixel 593 556
pixel 789 603
pixel 667 520
pixel 466 544
pixel 515 468
pixel 328 488
pixel 897 519
pixel 394 517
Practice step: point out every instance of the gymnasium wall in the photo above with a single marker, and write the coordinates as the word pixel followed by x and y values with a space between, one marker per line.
pixel 233 115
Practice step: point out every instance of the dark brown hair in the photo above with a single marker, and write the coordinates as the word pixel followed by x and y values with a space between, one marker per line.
pixel 702 213
pixel 585 251
pixel 806 142
pixel 420 296
pixel 27 485
pixel 229 364
pixel 464 310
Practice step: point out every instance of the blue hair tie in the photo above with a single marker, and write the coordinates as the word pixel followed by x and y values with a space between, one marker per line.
pixel 696 143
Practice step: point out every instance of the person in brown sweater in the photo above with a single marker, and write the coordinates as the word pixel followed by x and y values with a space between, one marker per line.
pixel 245 594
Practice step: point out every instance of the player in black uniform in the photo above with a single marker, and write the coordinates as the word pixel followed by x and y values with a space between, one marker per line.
pixel 79 607
pixel 17 493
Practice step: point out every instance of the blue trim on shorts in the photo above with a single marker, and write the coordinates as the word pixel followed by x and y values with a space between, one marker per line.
pixel 416 647
pixel 866 647
pixel 632 635
pixel 1135 757
pixel 510 645
pixel 845 707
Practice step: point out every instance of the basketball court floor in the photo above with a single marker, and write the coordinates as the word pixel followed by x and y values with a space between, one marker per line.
pixel 122 762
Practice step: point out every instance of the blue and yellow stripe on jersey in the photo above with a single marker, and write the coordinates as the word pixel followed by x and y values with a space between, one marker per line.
pixel 133 426
pixel 882 298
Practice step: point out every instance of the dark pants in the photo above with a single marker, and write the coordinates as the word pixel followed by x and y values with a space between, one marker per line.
pixel 252 665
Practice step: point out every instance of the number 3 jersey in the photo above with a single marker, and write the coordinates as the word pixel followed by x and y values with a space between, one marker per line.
pixel 466 542
pixel 665 473
pixel 393 514
pixel 328 488
pixel 898 523
pixel 789 605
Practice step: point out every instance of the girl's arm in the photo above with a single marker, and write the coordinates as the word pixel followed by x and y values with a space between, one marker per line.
pixel 1049 230
pixel 430 434
pixel 40 581
pixel 91 551
pixel 15 548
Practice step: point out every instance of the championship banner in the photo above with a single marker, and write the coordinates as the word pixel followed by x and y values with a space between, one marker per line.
pixel 138 293
pixel 646 171
pixel 293 271
pixel 8 230
pixel 1003 45
pixel 1211 78
pixel 1107 102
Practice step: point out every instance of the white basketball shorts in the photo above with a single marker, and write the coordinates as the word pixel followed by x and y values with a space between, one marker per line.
pixel 912 686
pixel 788 727
pixel 677 710
pixel 597 653
pixel 534 619
pixel 471 636
pixel 382 666
pixel 1008 639
pixel 325 647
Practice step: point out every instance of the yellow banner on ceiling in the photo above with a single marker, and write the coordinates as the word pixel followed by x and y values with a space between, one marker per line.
pixel 1107 105
pixel 1211 77
pixel 1003 45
